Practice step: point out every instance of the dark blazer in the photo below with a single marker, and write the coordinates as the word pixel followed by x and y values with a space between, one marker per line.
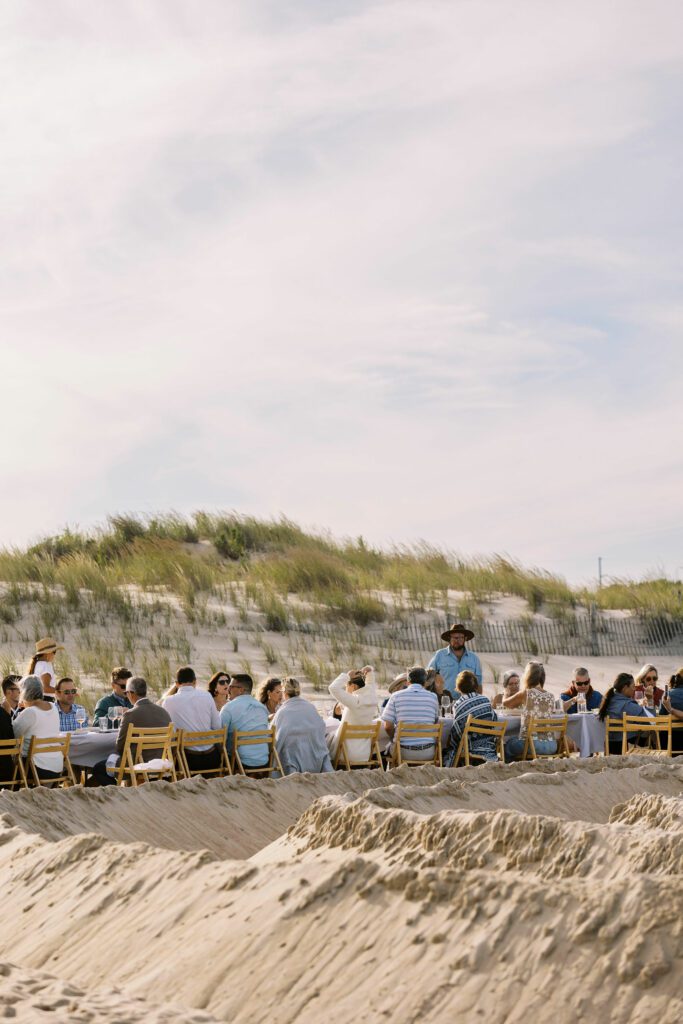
pixel 6 733
pixel 144 715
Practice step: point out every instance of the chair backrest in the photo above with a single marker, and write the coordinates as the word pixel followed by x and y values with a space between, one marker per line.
pixel 369 733
pixel 213 737
pixel 430 733
pixel 418 731
pixel 654 726
pixel 552 728
pixel 12 748
pixel 50 745
pixel 480 727
pixel 255 738
pixel 139 741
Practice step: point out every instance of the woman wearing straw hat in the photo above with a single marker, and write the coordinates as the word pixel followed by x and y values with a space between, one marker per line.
pixel 41 665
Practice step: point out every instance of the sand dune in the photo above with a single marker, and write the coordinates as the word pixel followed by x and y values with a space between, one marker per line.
pixel 506 893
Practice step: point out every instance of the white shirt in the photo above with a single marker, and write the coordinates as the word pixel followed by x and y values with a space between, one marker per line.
pixel 45 668
pixel 36 722
pixel 194 710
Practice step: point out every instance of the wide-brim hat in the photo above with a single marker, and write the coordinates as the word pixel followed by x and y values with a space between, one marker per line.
pixel 398 682
pixel 458 628
pixel 48 646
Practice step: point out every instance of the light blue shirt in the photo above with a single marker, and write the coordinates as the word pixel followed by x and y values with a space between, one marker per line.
pixel 246 714
pixel 449 668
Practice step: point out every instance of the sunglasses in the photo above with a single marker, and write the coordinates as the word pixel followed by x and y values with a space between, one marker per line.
pixel 69 693
pixel 582 682
pixel 650 679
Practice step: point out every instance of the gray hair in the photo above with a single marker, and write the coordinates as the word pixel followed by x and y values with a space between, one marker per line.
pixel 581 672
pixel 137 685
pixel 418 675
pixel 31 688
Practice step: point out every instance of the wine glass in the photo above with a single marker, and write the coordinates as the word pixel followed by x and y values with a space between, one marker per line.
pixel 81 717
pixel 445 705
pixel 112 715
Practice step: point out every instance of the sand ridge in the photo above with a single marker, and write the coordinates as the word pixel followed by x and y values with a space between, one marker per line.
pixel 419 894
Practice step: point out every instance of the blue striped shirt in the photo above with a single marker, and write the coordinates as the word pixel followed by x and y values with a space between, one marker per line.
pixel 414 704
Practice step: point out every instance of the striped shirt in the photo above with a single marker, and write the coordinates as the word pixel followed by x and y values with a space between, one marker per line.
pixel 414 704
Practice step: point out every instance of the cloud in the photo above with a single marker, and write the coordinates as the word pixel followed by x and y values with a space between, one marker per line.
pixel 406 270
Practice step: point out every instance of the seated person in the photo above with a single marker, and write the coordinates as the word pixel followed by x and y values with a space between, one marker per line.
pixel 414 705
pixel 510 687
pixel 619 701
pixel 580 687
pixel 144 714
pixel 357 693
pixel 195 710
pixel 65 694
pixel 674 707
pixel 270 693
pixel 434 683
pixel 117 698
pixel 243 713
pixel 646 680
pixel 300 733
pixel 535 703
pixel 39 718
pixel 473 703
pixel 10 702
pixel 400 682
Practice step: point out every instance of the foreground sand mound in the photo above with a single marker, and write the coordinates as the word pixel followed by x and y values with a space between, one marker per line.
pixel 547 892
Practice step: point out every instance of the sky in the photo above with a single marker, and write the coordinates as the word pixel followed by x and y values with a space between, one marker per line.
pixel 410 271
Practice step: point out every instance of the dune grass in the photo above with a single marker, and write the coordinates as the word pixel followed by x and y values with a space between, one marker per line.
pixel 261 564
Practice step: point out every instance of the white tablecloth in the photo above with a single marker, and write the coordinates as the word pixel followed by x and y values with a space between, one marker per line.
pixel 88 747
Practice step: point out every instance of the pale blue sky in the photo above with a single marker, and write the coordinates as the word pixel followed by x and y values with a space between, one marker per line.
pixel 406 270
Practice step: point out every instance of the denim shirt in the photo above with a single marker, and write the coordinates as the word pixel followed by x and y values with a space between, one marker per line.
pixel 448 666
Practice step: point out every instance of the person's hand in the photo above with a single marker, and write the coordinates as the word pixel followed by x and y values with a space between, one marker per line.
pixel 666 703
pixel 366 670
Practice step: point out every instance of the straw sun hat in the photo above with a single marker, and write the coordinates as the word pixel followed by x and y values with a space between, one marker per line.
pixel 48 646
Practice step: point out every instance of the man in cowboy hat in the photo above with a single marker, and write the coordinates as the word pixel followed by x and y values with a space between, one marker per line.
pixel 455 658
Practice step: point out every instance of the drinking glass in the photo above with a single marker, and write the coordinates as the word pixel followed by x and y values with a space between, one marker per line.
pixel 81 717
pixel 445 705
pixel 112 715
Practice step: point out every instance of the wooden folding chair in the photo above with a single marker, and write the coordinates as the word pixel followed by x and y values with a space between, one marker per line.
pixel 369 733
pixel 139 742
pixel 252 738
pixel 550 728
pixel 178 760
pixel 614 727
pixel 50 745
pixel 652 728
pixel 214 737
pixel 417 731
pixel 12 748
pixel 480 727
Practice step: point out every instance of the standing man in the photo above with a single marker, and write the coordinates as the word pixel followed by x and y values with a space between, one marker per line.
pixel 450 661
pixel 117 698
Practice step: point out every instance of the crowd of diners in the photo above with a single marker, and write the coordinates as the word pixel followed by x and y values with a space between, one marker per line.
pixel 42 705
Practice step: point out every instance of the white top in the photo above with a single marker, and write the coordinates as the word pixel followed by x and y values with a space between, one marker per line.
pixel 360 708
pixel 194 710
pixel 45 668
pixel 36 722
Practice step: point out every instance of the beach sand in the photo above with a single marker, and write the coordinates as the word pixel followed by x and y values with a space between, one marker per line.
pixel 505 893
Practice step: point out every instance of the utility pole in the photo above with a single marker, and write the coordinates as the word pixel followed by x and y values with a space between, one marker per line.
pixel 599 572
